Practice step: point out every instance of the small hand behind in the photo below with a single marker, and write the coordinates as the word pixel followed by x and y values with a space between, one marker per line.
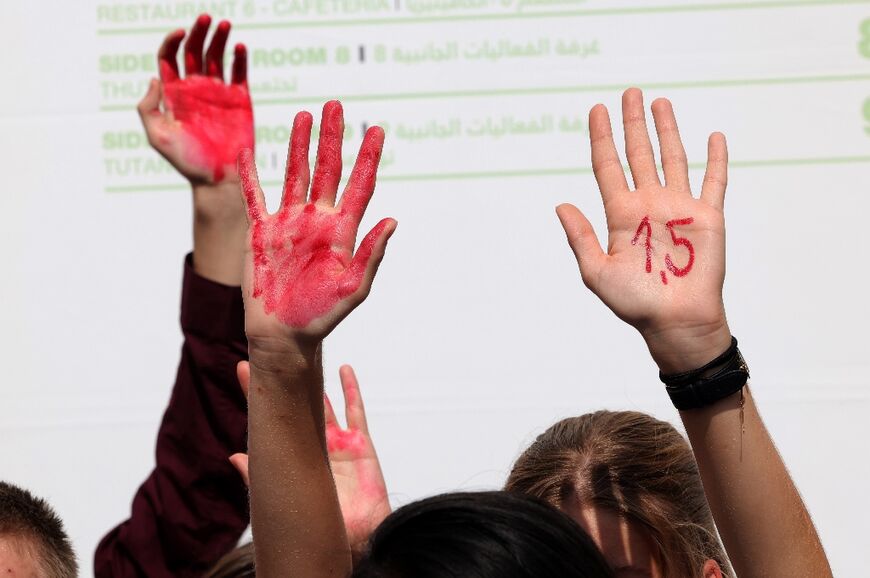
pixel 665 264
pixel 205 122
pixel 362 492
pixel 302 276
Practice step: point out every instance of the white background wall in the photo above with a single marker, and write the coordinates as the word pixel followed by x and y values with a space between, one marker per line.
pixel 478 333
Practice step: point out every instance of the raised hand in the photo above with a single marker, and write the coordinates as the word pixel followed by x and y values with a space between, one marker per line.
pixel 205 122
pixel 356 470
pixel 302 276
pixel 362 492
pixel 665 263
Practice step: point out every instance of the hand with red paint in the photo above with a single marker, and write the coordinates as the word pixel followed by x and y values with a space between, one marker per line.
pixel 362 492
pixel 302 275
pixel 205 122
pixel 664 268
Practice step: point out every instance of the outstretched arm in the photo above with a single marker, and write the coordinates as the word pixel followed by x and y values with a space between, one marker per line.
pixel 192 509
pixel 302 277
pixel 663 273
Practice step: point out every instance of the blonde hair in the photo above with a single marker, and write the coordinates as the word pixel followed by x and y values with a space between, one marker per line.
pixel 634 465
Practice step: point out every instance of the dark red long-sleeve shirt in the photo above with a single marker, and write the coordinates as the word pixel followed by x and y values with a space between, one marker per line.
pixel 193 507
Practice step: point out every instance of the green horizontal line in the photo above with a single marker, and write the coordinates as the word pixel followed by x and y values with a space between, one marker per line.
pixel 736 164
pixel 674 85
pixel 667 9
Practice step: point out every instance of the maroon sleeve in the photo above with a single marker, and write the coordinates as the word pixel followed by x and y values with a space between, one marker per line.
pixel 193 507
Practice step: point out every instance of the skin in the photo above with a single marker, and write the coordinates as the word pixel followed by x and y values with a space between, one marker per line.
pixel 359 481
pixel 761 518
pixel 16 559
pixel 625 547
pixel 202 125
pixel 295 513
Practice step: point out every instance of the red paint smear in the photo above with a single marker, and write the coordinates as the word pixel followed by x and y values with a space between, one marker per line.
pixel 300 268
pixel 664 277
pixel 644 224
pixel 217 120
pixel 680 241
pixel 350 440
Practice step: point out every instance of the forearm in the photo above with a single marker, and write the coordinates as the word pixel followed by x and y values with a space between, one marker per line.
pixel 763 522
pixel 219 232
pixel 295 514
pixel 192 508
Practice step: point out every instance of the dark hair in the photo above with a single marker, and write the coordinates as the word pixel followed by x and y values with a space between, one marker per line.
pixel 32 521
pixel 636 466
pixel 480 535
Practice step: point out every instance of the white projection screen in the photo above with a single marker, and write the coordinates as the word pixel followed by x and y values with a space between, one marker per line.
pixel 478 333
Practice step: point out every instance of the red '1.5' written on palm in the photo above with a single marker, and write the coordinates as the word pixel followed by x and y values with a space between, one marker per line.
pixel 646 228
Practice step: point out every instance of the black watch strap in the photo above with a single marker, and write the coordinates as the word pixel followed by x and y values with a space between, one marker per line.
pixel 700 388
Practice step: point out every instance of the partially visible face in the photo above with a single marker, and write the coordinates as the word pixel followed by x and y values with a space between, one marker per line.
pixel 627 549
pixel 16 560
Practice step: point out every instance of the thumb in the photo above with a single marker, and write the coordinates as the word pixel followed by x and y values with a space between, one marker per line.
pixel 243 372
pixel 240 461
pixel 149 110
pixel 369 254
pixel 583 241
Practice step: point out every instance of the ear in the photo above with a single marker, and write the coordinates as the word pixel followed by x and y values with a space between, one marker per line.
pixel 712 569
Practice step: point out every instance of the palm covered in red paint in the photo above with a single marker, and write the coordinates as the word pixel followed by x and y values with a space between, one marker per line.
pixel 362 492
pixel 302 275
pixel 205 121
pixel 665 263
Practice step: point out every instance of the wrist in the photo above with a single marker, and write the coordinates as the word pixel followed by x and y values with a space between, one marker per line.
pixel 219 232
pixel 683 348
pixel 218 203
pixel 279 356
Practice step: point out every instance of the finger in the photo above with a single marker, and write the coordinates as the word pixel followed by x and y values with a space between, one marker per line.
pixel 167 56
pixel 361 184
pixel 193 45
pixel 149 106
pixel 251 190
pixel 327 168
pixel 240 461
pixel 214 58
pixel 153 119
pixel 638 147
pixel 240 65
pixel 716 176
pixel 354 410
pixel 297 174
pixel 605 160
pixel 673 153
pixel 328 412
pixel 583 241
pixel 243 373
pixel 364 265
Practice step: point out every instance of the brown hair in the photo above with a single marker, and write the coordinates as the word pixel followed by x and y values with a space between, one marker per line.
pixel 36 527
pixel 238 563
pixel 635 465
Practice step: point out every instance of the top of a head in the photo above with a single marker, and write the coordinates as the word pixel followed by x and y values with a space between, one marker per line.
pixel 635 465
pixel 30 520
pixel 480 535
